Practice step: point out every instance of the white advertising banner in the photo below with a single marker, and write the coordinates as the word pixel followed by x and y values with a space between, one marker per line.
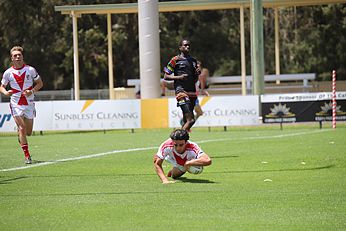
pixel 7 123
pixel 300 97
pixel 79 115
pixel 126 114
pixel 43 112
pixel 44 115
pixel 220 111
pixel 96 114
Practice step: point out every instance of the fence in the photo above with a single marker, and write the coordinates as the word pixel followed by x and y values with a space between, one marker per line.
pixel 120 93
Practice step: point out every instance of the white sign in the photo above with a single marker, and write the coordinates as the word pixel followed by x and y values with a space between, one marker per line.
pixel 78 115
pixel 44 114
pixel 7 123
pixel 298 97
pixel 220 111
pixel 96 114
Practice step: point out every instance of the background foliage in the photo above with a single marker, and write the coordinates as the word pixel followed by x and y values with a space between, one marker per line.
pixel 312 39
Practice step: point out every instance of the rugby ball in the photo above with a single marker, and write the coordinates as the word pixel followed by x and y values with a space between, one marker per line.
pixel 195 169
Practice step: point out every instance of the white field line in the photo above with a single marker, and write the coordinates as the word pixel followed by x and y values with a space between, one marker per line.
pixel 151 148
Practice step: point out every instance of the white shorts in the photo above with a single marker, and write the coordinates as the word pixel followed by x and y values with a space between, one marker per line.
pixel 28 111
pixel 169 84
pixel 174 163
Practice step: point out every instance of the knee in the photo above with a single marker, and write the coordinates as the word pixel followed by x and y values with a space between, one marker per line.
pixel 21 129
pixel 176 176
pixel 199 113
pixel 191 121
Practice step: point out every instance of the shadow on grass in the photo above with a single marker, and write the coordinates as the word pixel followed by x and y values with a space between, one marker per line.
pixel 198 181
pixel 278 170
pixel 9 181
pixel 39 161
pixel 222 157
pixel 106 193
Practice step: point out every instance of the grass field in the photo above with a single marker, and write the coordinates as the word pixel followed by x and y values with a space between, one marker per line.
pixel 262 178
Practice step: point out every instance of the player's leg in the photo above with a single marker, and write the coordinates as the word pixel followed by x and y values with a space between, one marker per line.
pixel 175 173
pixel 182 121
pixel 163 88
pixel 24 117
pixel 21 128
pixel 190 120
pixel 29 115
pixel 186 106
pixel 177 169
pixel 190 117
pixel 198 111
pixel 29 123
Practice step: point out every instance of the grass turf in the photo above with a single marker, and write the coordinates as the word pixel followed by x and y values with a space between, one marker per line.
pixel 261 178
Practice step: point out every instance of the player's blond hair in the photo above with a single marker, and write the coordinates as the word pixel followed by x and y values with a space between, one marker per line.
pixel 16 48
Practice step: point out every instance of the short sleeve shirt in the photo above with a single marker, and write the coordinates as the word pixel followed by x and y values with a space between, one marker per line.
pixel 179 65
pixel 193 151
pixel 20 80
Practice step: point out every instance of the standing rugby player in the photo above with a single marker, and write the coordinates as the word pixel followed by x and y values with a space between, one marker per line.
pixel 24 81
pixel 183 70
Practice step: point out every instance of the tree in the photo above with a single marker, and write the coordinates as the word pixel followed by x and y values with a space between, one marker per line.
pixel 312 39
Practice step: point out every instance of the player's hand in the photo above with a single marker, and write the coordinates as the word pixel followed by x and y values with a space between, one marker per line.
pixel 28 92
pixel 205 92
pixel 187 164
pixel 183 76
pixel 198 71
pixel 168 182
pixel 9 93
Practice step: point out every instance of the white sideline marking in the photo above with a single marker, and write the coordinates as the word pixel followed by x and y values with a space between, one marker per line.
pixel 150 148
pixel 76 158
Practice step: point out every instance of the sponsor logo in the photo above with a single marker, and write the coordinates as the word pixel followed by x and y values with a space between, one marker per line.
pixel 279 114
pixel 326 113
pixel 4 118
pixel 95 115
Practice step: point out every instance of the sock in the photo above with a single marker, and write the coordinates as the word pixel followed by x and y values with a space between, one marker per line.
pixel 25 148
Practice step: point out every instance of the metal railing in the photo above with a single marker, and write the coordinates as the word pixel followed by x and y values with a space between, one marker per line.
pixel 66 95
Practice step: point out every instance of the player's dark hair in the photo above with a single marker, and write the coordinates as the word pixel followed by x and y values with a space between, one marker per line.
pixel 181 41
pixel 180 134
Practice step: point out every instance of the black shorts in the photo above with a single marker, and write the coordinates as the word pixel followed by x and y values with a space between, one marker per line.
pixel 187 104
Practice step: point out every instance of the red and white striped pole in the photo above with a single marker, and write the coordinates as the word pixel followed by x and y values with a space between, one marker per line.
pixel 334 98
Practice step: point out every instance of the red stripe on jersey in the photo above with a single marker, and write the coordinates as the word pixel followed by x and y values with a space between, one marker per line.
pixel 173 61
pixel 15 90
pixel 22 100
pixel 167 144
pixel 20 79
pixel 180 161
pixel 193 148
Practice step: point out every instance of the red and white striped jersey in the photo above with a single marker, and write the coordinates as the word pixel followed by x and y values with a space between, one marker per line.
pixel 20 80
pixel 166 150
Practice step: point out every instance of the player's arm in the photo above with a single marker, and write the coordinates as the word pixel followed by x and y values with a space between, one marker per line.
pixel 203 82
pixel 169 71
pixel 37 87
pixel 198 70
pixel 174 77
pixel 159 171
pixel 4 91
pixel 203 160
